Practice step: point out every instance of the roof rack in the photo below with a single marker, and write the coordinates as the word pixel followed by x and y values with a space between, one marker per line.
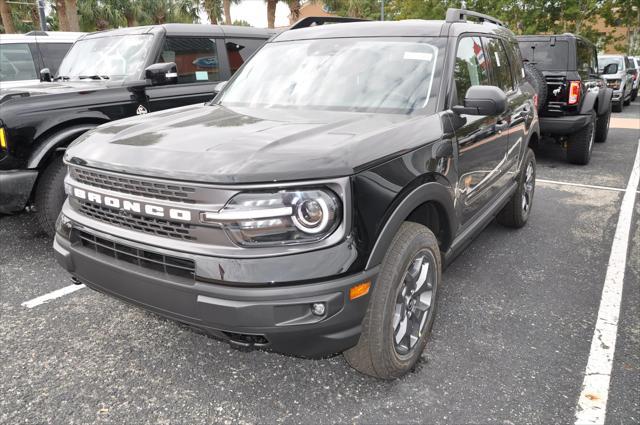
pixel 38 33
pixel 321 20
pixel 460 15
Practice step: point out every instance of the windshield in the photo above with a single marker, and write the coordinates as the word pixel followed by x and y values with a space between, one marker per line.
pixel 604 61
pixel 350 74
pixel 112 57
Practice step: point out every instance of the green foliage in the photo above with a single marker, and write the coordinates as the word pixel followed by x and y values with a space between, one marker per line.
pixel 241 23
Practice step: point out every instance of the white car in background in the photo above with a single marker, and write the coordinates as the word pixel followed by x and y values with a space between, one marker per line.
pixel 22 56
pixel 635 61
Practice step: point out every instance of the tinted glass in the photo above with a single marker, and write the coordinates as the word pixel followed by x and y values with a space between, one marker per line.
pixel 52 54
pixel 515 59
pixel 499 63
pixel 119 57
pixel 604 61
pixel 240 49
pixel 545 56
pixel 16 63
pixel 196 58
pixel 471 66
pixel 584 58
pixel 344 74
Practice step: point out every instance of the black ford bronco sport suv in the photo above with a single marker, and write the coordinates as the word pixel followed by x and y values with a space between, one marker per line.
pixel 107 76
pixel 311 207
pixel 574 103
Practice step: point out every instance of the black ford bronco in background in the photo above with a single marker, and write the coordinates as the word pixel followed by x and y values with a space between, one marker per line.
pixel 107 76
pixel 574 103
pixel 311 207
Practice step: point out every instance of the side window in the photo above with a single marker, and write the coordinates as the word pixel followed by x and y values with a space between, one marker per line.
pixel 195 58
pixel 52 54
pixel 470 68
pixel 499 63
pixel 16 63
pixel 240 49
pixel 517 68
pixel 584 60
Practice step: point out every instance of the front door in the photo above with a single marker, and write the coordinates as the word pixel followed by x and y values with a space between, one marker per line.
pixel 481 140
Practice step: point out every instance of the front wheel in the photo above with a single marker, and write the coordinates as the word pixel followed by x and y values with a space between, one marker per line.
pixel 402 306
pixel 516 212
pixel 50 195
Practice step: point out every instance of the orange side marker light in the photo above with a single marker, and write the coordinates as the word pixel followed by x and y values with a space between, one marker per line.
pixel 359 290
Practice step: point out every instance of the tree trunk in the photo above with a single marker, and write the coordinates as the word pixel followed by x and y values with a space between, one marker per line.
pixel 271 13
pixel 35 18
pixel 212 17
pixel 294 8
pixel 227 11
pixel 72 14
pixel 63 21
pixel 5 14
pixel 131 21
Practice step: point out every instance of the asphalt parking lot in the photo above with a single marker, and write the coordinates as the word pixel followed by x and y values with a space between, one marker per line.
pixel 510 343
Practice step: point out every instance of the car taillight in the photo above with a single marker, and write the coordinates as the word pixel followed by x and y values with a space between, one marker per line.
pixel 574 92
pixel 535 100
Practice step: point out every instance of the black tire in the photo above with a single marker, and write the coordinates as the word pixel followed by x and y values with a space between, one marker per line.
pixel 536 79
pixel 634 94
pixel 617 107
pixel 602 126
pixel 580 143
pixel 516 213
pixel 377 353
pixel 50 195
pixel 628 101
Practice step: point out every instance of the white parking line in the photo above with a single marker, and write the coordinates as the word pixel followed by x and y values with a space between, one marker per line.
pixel 592 404
pixel 588 186
pixel 51 296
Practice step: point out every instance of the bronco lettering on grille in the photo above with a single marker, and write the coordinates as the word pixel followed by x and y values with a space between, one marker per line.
pixel 132 206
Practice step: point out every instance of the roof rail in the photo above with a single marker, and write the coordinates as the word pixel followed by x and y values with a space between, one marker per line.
pixel 321 20
pixel 460 15
pixel 38 33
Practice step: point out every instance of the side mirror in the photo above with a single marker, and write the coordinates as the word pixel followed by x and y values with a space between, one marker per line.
pixel 483 100
pixel 160 74
pixel 45 75
pixel 218 88
pixel 612 68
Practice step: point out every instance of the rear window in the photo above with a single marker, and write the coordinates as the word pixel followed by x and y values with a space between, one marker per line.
pixel 546 56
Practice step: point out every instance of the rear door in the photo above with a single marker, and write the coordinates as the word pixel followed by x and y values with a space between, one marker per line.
pixel 481 145
pixel 201 63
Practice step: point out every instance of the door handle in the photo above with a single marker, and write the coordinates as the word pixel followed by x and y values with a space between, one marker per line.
pixel 501 126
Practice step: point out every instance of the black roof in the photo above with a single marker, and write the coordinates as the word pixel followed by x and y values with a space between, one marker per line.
pixel 404 28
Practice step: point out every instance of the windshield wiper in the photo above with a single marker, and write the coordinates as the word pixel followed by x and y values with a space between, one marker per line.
pixel 93 77
pixel 62 77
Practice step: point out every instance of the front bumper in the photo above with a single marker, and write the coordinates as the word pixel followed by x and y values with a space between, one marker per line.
pixel 617 96
pixel 15 189
pixel 276 318
pixel 563 126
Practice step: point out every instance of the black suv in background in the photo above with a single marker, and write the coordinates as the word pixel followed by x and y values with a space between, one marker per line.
pixel 576 107
pixel 310 208
pixel 107 76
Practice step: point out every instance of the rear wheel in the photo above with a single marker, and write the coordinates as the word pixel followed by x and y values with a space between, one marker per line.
pixel 402 306
pixel 580 143
pixel 516 212
pixel 617 107
pixel 50 194
pixel 602 126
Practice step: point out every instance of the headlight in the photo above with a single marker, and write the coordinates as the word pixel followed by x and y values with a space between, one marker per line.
pixel 284 217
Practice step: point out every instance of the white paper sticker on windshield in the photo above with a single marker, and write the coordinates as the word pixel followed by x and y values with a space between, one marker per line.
pixel 420 56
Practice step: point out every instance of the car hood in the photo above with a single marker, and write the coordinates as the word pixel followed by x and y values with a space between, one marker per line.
pixel 617 76
pixel 43 88
pixel 216 144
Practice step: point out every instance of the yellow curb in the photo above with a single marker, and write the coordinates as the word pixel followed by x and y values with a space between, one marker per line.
pixel 628 123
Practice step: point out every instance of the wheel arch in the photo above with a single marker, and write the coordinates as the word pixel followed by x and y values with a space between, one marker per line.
pixel 58 137
pixel 430 204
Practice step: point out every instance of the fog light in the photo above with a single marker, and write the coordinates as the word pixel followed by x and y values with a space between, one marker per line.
pixel 318 309
pixel 63 226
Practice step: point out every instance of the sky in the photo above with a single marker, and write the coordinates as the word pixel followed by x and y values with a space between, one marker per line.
pixel 255 12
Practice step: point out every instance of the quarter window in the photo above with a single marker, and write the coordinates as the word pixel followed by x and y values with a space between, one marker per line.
pixel 195 58
pixel 52 54
pixel 499 63
pixel 585 59
pixel 240 49
pixel 470 68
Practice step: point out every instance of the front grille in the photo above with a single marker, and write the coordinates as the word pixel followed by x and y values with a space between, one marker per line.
pixel 174 266
pixel 154 226
pixel 134 186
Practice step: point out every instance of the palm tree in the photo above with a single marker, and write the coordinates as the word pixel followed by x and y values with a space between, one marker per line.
pixel 63 20
pixel 7 19
pixel 271 12
pixel 294 8
pixel 214 10
pixel 71 7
